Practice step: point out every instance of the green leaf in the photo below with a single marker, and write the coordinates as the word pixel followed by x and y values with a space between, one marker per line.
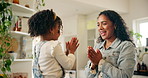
pixel 5 76
pixel 8 69
pixel 3 69
pixel 1 50
pixel 7 44
pixel 8 62
pixel 10 18
pixel 11 14
pixel 43 4
pixel 1 55
pixel 42 1
pixel 3 19
pixel 1 7
pixel 37 7
pixel 5 5
pixel 7 23
pixel 1 76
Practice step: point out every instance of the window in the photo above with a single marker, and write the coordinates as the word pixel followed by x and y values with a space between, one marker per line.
pixel 141 26
pixel 144 32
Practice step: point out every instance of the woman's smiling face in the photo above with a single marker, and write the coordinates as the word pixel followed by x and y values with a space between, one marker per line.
pixel 106 27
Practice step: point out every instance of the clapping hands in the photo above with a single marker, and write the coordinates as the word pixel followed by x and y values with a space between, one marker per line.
pixel 94 56
pixel 72 45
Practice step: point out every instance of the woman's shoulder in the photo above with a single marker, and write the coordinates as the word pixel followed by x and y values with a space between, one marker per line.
pixel 127 43
pixel 50 47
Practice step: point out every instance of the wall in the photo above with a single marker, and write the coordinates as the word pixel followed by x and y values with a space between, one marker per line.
pixel 137 9
pixel 69 29
pixel 76 26
pixel 118 5
pixel 70 25
pixel 129 9
pixel 82 50
pixel 93 17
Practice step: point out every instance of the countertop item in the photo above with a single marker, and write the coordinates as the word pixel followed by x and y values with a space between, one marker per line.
pixel 141 73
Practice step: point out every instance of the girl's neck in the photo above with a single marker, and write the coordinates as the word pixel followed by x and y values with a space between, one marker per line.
pixel 46 37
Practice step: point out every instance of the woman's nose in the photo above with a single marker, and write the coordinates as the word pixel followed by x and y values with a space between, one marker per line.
pixel 100 27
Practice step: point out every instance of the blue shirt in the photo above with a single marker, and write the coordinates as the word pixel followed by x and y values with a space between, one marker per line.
pixel 119 60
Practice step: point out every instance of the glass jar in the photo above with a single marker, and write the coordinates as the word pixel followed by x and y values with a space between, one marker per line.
pixel 16 1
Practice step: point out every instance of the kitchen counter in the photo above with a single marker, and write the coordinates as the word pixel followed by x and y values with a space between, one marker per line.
pixel 139 76
pixel 141 73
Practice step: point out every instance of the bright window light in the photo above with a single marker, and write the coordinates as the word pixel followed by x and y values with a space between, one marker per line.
pixel 144 32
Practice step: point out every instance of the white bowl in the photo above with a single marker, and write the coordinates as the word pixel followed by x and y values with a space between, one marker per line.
pixel 14 55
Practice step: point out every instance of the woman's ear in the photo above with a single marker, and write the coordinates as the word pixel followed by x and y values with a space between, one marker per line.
pixel 115 26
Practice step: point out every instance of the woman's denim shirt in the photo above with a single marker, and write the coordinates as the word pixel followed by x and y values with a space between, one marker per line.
pixel 119 60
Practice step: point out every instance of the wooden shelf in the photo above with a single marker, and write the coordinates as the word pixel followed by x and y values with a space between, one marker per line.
pixel 20 33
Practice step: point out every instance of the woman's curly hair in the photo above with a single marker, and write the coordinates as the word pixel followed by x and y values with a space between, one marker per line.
pixel 121 30
pixel 42 21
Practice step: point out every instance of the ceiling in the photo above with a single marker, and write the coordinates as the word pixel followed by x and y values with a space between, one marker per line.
pixel 65 8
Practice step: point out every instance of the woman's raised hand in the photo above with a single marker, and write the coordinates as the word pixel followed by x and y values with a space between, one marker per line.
pixel 94 56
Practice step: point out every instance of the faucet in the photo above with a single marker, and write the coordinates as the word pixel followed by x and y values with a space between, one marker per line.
pixel 141 57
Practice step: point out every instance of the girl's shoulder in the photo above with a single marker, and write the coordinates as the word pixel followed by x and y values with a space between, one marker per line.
pixel 52 43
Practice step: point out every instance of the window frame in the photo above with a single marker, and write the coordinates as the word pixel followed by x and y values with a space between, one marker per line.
pixel 136 26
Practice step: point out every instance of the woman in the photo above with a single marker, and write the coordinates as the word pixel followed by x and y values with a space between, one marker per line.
pixel 114 55
pixel 49 59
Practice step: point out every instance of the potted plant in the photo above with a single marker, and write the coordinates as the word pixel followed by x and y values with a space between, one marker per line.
pixel 39 3
pixel 5 37
pixel 138 36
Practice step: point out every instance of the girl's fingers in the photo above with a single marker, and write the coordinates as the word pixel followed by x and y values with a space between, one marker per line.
pixel 71 41
pixel 77 41
pixel 67 43
pixel 77 45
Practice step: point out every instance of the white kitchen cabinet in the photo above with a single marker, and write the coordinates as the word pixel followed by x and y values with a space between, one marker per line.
pixel 22 65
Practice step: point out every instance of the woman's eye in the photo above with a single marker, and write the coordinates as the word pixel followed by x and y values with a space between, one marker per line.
pixel 104 23
pixel 97 24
